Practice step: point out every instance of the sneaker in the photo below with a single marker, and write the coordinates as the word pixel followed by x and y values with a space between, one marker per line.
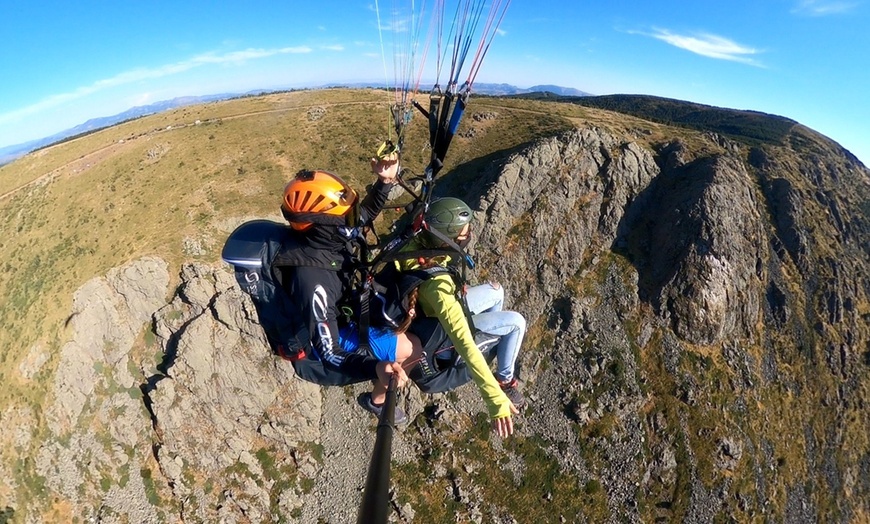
pixel 366 402
pixel 512 390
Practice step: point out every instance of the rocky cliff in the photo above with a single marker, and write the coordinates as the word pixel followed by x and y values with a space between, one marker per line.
pixel 698 351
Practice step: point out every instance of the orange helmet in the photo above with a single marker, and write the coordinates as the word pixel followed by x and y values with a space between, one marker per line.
pixel 317 197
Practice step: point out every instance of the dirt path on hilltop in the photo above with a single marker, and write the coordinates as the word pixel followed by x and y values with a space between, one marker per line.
pixel 97 156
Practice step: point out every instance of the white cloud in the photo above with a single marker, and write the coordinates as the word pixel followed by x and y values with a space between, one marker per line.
pixel 137 75
pixel 141 99
pixel 823 7
pixel 395 25
pixel 708 45
pixel 336 47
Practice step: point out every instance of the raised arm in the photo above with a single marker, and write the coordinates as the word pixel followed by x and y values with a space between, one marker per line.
pixel 386 170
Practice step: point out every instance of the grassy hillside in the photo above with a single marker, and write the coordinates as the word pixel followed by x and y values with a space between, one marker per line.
pixel 752 127
pixel 165 184
pixel 175 184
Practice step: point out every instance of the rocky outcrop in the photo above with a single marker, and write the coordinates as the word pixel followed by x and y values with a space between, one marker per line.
pixel 554 202
pixel 699 245
pixel 127 449
pixel 693 232
pixel 97 444
pixel 697 351
pixel 709 244
pixel 222 398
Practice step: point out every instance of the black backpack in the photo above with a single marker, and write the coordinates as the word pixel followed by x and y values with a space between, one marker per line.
pixel 250 249
pixel 392 289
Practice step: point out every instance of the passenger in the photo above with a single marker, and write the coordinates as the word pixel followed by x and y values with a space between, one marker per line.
pixel 437 296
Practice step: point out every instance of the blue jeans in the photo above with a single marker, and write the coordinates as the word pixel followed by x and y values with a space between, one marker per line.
pixel 485 303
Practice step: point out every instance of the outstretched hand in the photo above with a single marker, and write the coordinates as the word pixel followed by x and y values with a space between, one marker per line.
pixel 504 426
pixel 386 167
pixel 385 369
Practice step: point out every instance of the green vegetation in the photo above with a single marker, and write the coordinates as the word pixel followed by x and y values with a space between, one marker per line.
pixel 482 477
pixel 150 488
pixel 6 515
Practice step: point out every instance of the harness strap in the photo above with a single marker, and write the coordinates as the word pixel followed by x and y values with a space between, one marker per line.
pixel 315 218
pixel 364 318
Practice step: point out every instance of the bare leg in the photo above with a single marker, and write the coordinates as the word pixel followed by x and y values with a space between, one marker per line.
pixel 408 347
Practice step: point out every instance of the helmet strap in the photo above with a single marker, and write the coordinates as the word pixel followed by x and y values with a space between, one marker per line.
pixel 466 258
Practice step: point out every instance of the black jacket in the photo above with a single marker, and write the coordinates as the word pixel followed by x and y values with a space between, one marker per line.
pixel 315 269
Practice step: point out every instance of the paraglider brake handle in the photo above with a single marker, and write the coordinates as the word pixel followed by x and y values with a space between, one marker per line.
pixel 386 149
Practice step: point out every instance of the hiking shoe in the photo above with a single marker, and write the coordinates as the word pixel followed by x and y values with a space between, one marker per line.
pixel 512 390
pixel 399 416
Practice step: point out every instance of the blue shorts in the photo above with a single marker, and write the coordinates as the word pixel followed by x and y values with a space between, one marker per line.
pixel 381 340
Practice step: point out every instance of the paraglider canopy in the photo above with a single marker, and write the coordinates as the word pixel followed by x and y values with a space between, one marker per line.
pixel 471 22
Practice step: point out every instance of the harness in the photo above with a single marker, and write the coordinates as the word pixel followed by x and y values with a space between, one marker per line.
pixel 392 288
pixel 258 250
pixel 373 273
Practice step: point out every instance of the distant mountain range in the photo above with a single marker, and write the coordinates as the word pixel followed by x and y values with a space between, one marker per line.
pixel 10 153
pixel 500 89
pixel 507 90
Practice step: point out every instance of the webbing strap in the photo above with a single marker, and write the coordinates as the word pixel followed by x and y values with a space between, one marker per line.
pixel 364 318
pixel 456 248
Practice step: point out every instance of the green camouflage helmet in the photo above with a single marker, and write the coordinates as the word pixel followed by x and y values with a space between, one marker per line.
pixel 448 215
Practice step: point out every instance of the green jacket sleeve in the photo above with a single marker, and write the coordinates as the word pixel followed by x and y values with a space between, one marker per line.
pixel 437 297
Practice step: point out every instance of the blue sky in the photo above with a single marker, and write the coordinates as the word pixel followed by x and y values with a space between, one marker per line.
pixel 65 62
